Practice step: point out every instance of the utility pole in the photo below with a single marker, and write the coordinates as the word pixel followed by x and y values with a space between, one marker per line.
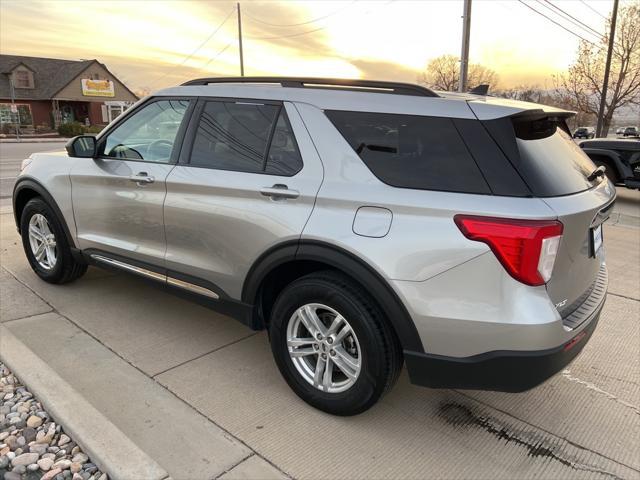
pixel 607 68
pixel 240 40
pixel 464 57
pixel 14 108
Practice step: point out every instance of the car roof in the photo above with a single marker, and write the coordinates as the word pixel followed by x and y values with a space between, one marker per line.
pixel 443 104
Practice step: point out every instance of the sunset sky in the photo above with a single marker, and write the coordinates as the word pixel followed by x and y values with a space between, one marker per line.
pixel 154 44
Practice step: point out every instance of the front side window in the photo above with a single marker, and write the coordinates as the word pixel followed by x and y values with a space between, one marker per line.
pixel 245 137
pixel 149 134
pixel 411 151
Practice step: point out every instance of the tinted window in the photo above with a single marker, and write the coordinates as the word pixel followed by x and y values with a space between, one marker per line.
pixel 149 134
pixel 411 151
pixel 550 161
pixel 284 157
pixel 233 136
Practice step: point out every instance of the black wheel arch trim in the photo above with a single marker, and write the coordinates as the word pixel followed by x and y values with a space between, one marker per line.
pixel 346 262
pixel 32 184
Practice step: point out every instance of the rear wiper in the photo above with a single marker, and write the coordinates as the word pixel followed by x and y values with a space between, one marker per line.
pixel 598 172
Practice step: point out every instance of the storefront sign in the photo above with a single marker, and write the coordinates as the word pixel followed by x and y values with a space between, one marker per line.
pixel 97 88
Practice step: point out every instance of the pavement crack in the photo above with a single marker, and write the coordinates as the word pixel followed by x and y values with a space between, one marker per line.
pixel 459 415
pixel 204 354
pixel 567 374
pixel 623 296
pixel 252 454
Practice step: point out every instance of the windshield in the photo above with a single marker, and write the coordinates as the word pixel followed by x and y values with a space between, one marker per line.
pixel 551 163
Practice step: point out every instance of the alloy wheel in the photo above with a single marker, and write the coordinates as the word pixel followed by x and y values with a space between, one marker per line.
pixel 324 348
pixel 42 242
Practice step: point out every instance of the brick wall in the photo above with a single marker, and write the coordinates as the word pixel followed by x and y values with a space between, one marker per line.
pixel 40 112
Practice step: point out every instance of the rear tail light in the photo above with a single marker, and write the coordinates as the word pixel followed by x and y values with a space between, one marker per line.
pixel 526 248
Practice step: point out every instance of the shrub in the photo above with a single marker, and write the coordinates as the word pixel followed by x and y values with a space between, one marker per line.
pixel 71 129
pixel 93 129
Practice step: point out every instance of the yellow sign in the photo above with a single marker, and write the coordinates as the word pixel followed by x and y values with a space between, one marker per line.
pixel 97 88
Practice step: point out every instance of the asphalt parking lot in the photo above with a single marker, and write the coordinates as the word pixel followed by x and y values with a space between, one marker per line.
pixel 199 393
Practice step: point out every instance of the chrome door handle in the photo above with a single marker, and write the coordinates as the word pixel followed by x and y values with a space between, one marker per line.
pixel 142 178
pixel 279 191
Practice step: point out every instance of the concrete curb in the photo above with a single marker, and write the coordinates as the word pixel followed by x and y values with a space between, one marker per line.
pixel 33 140
pixel 111 450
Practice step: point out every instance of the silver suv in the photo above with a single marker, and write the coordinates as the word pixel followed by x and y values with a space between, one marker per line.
pixel 362 223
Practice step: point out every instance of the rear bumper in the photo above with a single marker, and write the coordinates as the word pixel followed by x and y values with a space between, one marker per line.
pixel 505 371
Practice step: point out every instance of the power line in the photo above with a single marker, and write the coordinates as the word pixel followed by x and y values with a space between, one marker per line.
pixel 308 31
pixel 288 36
pixel 216 55
pixel 560 25
pixel 301 23
pixel 185 59
pixel 583 25
pixel 593 9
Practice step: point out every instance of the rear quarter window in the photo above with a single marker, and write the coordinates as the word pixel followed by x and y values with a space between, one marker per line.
pixel 410 151
pixel 544 154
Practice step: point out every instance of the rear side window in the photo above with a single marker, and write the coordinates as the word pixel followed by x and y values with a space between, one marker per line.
pixel 245 137
pixel 284 156
pixel 410 151
pixel 544 154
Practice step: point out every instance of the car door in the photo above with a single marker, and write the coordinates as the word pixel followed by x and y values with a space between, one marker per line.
pixel 118 196
pixel 248 181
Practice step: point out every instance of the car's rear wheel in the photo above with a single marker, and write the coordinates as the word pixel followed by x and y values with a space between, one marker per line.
pixel 332 344
pixel 46 245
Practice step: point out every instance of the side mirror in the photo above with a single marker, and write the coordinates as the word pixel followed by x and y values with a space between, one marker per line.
pixel 83 146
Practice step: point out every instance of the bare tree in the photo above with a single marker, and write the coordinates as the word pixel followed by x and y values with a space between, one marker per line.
pixel 443 73
pixel 523 93
pixel 581 87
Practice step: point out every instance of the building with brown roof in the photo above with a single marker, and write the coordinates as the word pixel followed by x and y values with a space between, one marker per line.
pixel 47 92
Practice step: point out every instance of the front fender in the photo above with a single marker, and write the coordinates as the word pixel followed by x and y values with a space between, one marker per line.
pixel 28 187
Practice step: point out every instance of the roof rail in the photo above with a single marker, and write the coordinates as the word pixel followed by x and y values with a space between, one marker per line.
pixel 326 83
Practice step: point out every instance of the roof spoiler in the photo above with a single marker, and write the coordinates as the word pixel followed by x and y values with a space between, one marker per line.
pixel 480 89
pixel 539 114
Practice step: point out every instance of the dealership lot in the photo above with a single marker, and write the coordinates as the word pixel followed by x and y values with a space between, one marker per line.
pixel 200 394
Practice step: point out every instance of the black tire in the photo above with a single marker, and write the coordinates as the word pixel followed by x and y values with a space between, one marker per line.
pixel 381 355
pixel 66 268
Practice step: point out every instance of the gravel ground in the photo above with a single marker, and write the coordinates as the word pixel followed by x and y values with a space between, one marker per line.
pixel 32 445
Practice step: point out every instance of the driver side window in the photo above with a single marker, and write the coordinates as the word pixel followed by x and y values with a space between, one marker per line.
pixel 149 134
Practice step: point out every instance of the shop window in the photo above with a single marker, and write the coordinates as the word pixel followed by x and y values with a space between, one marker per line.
pixel 23 116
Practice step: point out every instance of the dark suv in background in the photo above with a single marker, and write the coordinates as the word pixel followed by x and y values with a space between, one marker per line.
pixel 620 159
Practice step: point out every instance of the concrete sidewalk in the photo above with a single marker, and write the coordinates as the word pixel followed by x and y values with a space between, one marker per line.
pixel 33 140
pixel 200 394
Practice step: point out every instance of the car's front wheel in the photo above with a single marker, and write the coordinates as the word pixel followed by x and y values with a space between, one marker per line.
pixel 332 344
pixel 45 244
